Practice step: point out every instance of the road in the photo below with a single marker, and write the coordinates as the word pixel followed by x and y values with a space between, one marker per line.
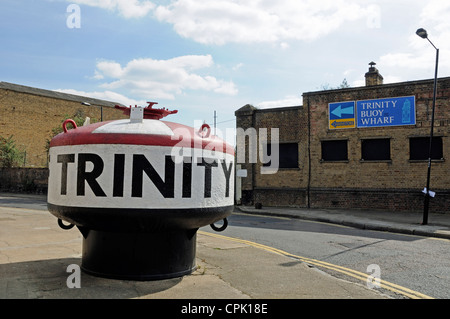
pixel 28 201
pixel 416 263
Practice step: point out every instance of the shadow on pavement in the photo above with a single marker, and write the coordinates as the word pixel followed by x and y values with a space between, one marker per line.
pixel 47 279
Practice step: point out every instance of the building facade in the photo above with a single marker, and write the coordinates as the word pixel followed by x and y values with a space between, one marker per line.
pixel 363 147
pixel 30 114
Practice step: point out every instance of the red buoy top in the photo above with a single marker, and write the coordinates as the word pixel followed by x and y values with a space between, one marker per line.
pixel 150 131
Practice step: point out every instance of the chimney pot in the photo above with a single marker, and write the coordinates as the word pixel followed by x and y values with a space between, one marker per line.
pixel 373 77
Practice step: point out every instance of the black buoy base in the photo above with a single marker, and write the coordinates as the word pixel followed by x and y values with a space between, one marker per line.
pixel 139 256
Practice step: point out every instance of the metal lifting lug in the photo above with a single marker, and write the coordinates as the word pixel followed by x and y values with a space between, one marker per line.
pixel 219 229
pixel 63 226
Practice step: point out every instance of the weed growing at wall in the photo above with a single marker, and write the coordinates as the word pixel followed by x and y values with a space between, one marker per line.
pixel 10 154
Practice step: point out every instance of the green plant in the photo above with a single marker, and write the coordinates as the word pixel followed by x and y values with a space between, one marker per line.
pixel 344 84
pixel 10 155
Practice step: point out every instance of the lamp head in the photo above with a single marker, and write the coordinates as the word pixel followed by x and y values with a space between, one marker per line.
pixel 422 33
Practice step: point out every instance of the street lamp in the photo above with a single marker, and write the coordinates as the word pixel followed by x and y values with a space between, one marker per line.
pixel 424 35
pixel 101 109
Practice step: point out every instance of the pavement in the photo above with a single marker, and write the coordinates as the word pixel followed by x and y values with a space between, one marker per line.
pixel 438 224
pixel 35 254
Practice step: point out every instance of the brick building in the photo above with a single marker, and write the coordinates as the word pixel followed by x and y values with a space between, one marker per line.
pixel 30 115
pixel 363 147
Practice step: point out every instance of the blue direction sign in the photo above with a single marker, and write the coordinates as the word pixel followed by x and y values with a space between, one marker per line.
pixel 341 115
pixel 386 112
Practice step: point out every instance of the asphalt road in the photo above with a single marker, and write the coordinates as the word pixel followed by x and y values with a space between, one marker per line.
pixel 36 255
pixel 38 202
pixel 417 263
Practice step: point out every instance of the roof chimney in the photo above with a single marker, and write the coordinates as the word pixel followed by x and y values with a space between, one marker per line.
pixel 373 77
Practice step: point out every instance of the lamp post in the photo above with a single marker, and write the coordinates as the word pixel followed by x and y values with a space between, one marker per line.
pixel 423 34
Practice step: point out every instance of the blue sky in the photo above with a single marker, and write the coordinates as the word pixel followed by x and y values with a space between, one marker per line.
pixel 216 55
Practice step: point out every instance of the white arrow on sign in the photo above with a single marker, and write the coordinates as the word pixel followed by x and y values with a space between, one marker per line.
pixel 339 111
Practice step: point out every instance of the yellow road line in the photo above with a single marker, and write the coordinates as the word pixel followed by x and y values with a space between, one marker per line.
pixel 343 270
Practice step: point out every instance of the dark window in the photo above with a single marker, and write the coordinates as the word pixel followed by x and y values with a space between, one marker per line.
pixel 288 155
pixel 376 149
pixel 419 148
pixel 334 150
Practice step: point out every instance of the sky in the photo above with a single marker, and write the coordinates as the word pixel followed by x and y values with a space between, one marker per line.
pixel 214 56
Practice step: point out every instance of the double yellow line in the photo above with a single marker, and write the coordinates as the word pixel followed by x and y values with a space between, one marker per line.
pixel 346 271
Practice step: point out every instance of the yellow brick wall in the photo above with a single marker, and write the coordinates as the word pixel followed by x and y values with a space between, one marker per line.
pixel 292 126
pixel 394 184
pixel 30 119
pixel 400 173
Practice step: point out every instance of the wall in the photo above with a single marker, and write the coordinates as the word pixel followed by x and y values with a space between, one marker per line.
pixel 395 184
pixel 30 119
pixel 287 183
pixel 24 180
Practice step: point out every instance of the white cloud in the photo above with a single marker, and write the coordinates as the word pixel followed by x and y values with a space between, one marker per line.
pixel 420 55
pixel 149 78
pixel 405 60
pixel 108 69
pixel 358 83
pixel 290 100
pixel 106 95
pixel 237 66
pixel 248 21
pixel 284 45
pixel 244 21
pixel 392 79
pixel 127 8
